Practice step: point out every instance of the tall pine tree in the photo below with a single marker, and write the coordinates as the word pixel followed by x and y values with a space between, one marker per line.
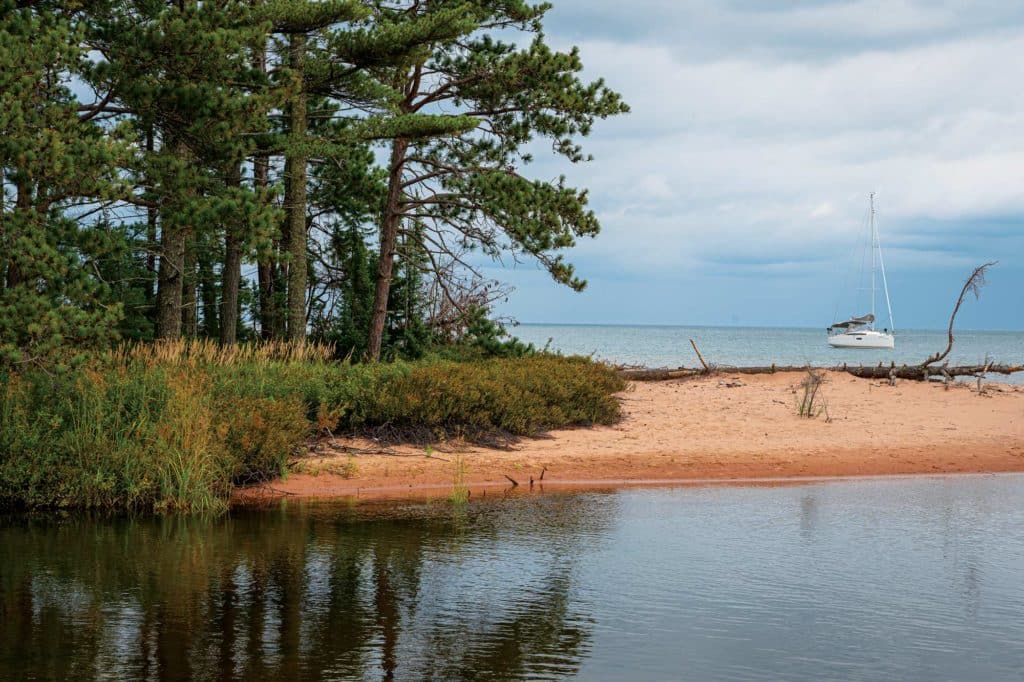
pixel 55 164
pixel 469 190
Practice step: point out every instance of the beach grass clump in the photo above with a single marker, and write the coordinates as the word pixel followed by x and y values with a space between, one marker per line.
pixel 176 426
pixel 810 402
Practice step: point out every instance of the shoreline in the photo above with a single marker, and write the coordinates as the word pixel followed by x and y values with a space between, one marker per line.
pixel 256 496
pixel 723 429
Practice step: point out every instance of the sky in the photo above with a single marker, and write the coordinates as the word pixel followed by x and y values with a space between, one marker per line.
pixel 736 191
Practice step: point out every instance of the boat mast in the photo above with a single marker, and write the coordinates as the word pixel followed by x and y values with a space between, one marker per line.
pixel 874 244
pixel 885 284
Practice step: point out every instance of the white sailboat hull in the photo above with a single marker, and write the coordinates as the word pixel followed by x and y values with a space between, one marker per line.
pixel 863 339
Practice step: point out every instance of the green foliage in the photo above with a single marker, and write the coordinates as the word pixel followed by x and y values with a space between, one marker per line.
pixel 522 396
pixel 182 68
pixel 404 40
pixel 175 427
pixel 346 329
pixel 260 433
pixel 138 437
pixel 483 337
pixel 49 302
pixel 472 184
pixel 406 332
pixel 294 16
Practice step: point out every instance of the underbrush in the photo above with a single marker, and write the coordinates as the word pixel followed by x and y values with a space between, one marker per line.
pixel 176 426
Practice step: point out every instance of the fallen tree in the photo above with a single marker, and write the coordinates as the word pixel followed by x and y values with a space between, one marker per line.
pixel 913 372
pixel 663 374
pixel 923 373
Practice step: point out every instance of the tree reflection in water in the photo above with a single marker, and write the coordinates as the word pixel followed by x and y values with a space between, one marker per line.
pixel 312 592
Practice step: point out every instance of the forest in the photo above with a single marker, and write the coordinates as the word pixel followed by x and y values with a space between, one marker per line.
pixel 279 170
pixel 230 227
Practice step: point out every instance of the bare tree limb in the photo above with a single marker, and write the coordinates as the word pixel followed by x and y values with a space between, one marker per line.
pixel 973 284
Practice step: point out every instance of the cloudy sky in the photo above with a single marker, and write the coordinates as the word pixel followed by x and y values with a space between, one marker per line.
pixel 736 190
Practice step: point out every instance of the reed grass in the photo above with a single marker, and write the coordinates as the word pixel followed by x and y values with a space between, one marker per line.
pixel 175 426
pixel 195 352
pixel 459 495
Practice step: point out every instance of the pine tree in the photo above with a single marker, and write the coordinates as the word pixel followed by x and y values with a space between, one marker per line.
pixel 345 317
pixel 300 22
pixel 326 54
pixel 468 190
pixel 348 189
pixel 406 328
pixel 52 157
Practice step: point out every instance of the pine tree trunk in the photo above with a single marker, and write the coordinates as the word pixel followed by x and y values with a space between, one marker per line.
pixel 171 273
pixel 170 281
pixel 208 294
pixel 265 265
pixel 388 239
pixel 232 275
pixel 189 307
pixel 269 313
pixel 268 317
pixel 295 198
pixel 151 217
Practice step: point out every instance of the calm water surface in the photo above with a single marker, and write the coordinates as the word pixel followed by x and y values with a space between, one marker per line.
pixel 669 346
pixel 917 579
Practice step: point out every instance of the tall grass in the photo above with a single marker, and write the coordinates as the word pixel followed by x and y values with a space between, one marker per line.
pixel 206 352
pixel 460 491
pixel 175 426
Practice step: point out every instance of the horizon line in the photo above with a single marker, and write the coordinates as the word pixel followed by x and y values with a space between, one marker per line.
pixel 742 326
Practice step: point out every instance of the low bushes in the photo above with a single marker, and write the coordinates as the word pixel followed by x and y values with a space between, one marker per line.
pixel 520 396
pixel 175 426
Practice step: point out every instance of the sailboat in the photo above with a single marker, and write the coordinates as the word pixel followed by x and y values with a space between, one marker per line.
pixel 859 331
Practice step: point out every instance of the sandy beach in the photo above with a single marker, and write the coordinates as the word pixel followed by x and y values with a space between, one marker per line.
pixel 719 428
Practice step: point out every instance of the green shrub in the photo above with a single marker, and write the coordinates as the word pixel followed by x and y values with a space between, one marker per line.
pixel 520 396
pixel 260 434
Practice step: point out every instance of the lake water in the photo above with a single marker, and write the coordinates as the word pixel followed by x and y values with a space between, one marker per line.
pixel 911 579
pixel 669 346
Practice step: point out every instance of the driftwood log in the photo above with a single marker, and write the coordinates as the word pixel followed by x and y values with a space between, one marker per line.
pixel 922 373
pixel 913 372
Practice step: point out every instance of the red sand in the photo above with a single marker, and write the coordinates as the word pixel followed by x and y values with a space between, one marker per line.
pixel 707 429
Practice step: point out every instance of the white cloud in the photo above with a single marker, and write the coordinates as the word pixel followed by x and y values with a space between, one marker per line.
pixel 655 187
pixel 726 156
pixel 822 210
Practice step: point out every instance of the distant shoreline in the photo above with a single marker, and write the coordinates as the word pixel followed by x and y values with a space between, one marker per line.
pixel 931 330
pixel 720 429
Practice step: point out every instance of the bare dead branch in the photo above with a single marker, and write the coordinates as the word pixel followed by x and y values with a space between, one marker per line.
pixel 973 284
